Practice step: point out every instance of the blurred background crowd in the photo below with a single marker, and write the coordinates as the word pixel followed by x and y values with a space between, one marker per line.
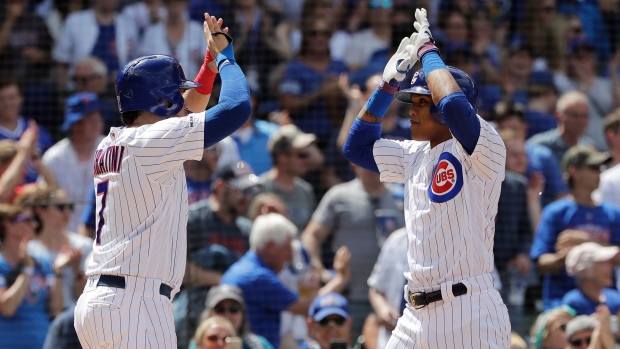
pixel 289 245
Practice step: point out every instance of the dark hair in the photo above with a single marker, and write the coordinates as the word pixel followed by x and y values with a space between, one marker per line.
pixel 307 25
pixel 129 117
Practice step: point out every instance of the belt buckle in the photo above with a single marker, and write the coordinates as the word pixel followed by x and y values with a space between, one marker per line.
pixel 413 302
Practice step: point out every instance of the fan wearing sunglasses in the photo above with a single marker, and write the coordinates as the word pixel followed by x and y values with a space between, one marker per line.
pixel 227 301
pixel 579 332
pixel 328 321
pixel 52 211
pixel 216 333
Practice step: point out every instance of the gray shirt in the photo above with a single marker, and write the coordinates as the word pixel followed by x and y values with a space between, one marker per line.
pixel 349 213
pixel 300 202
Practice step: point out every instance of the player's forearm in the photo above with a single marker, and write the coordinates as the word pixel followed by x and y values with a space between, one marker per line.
pixel 13 297
pixel 234 107
pixel 196 102
pixel 551 263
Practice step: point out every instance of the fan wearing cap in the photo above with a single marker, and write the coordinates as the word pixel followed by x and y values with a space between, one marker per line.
pixel 83 125
pixel 592 332
pixel 573 220
pixel 293 153
pixel 328 322
pixel 592 267
pixel 227 301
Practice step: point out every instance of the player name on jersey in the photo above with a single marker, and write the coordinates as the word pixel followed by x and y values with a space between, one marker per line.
pixel 109 160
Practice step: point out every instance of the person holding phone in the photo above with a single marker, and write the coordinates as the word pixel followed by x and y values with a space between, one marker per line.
pixel 329 323
pixel 217 333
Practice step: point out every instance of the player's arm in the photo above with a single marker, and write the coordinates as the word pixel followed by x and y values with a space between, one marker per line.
pixel 366 129
pixel 451 102
pixel 196 99
pixel 234 107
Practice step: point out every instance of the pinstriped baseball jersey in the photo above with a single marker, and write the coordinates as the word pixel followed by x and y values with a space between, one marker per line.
pixel 142 199
pixel 450 204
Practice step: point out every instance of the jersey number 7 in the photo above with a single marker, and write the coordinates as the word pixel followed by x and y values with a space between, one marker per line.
pixel 102 189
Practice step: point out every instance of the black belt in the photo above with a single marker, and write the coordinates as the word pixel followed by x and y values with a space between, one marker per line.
pixel 421 299
pixel 119 282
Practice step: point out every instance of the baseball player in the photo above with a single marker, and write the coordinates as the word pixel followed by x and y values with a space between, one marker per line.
pixel 140 243
pixel 452 170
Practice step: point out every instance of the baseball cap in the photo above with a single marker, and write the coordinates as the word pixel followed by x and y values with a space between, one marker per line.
pixel 580 323
pixel 583 155
pixel 238 175
pixel 582 256
pixel 578 43
pixel 540 79
pixel 289 137
pixel 328 304
pixel 222 292
pixel 77 106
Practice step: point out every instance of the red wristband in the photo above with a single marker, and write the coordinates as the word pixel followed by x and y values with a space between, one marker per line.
pixel 206 76
pixel 208 57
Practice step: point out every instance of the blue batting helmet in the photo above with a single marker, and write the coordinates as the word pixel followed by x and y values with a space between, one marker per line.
pixel 420 86
pixel 146 83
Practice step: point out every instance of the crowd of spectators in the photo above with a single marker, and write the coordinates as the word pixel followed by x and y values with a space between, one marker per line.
pixel 289 245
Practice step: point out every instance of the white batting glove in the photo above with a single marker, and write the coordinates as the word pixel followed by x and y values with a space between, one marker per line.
pixel 401 62
pixel 425 38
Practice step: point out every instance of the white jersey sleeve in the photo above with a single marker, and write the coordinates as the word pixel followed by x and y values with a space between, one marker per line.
pixel 389 155
pixel 489 156
pixel 160 148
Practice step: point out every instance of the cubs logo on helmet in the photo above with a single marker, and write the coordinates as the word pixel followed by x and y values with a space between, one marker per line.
pixel 447 179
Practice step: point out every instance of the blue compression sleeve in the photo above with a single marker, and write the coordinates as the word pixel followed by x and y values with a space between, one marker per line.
pixel 359 144
pixel 233 108
pixel 461 117
pixel 431 61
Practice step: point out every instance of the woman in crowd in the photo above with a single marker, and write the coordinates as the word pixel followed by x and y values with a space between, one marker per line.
pixel 216 333
pixel 227 301
pixel 29 293
pixel 52 211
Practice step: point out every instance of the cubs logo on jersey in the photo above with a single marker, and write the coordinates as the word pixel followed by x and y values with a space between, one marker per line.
pixel 447 179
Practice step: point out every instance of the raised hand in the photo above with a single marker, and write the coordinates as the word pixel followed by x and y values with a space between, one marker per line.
pixel 215 43
pixel 424 42
pixel 401 62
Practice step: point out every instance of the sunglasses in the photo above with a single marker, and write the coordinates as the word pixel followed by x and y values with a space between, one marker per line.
pixel 214 339
pixel 580 342
pixel 338 322
pixel 24 218
pixel 233 309
pixel 65 207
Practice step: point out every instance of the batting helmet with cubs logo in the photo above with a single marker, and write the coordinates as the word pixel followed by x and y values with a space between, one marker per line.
pixel 152 83
pixel 420 86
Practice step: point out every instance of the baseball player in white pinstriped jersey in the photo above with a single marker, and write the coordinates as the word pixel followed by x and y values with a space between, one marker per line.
pixel 452 170
pixel 140 246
